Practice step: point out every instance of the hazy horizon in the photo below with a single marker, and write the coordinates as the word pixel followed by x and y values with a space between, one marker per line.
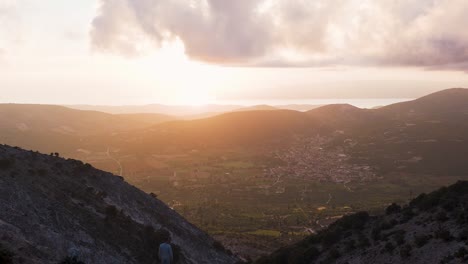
pixel 199 108
pixel 358 102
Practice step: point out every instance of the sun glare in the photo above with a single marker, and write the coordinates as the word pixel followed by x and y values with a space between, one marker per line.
pixel 184 81
pixel 194 98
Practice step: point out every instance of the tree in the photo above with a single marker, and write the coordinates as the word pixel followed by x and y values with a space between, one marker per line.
pixel 393 209
pixel 71 260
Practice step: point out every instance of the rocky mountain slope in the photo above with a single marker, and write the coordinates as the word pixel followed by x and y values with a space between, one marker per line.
pixel 52 208
pixel 431 229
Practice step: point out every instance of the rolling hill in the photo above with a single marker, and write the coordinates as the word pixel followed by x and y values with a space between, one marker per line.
pixel 237 129
pixel 57 128
pixel 59 119
pixel 409 136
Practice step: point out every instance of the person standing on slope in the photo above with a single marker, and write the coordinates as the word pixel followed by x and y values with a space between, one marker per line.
pixel 165 252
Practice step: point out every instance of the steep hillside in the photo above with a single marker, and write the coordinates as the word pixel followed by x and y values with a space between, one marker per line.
pixel 53 208
pixel 431 229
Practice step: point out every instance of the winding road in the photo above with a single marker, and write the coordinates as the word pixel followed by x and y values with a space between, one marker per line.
pixel 117 161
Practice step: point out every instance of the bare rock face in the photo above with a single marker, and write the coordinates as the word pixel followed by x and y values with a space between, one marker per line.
pixel 52 208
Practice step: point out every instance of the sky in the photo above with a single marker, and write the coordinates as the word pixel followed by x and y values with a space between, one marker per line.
pixel 127 52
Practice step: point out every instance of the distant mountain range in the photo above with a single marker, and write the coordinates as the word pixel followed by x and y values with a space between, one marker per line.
pixel 53 209
pixel 186 111
pixel 429 134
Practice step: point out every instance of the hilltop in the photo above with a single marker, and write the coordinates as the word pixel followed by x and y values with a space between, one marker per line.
pixel 447 101
pixel 54 208
pixel 57 128
pixel 431 229
pixel 236 129
pixel 59 119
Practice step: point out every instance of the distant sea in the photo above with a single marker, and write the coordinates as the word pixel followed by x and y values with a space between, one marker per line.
pixel 358 102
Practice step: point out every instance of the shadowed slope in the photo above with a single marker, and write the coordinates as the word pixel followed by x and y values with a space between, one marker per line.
pixel 53 208
pixel 432 229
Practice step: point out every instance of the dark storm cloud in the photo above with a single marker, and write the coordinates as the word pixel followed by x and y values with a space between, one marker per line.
pixel 292 33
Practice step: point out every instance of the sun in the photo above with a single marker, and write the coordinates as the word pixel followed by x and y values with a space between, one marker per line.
pixel 195 98
pixel 183 81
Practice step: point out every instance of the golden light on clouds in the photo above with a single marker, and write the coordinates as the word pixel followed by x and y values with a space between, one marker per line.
pixel 201 51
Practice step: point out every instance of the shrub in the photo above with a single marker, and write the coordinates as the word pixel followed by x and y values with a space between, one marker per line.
pixel 42 172
pixel 389 247
pixel 463 235
pixel 71 260
pixel 449 206
pixel 311 253
pixel 421 240
pixel 163 235
pixel 82 168
pixel 111 211
pixel 350 245
pixel 461 253
pixel 6 257
pixel 330 237
pixel 447 259
pixel 355 221
pixel 393 209
pixel 405 251
pixel 375 233
pixel 461 218
pixel 399 237
pixel 334 254
pixel 338 230
pixel 408 214
pixel 363 241
pixel 428 201
pixel 218 246
pixel 6 164
pixel 443 234
pixel 386 225
pixel 441 216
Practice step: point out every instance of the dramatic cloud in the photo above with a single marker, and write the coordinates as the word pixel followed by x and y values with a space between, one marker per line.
pixel 423 33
